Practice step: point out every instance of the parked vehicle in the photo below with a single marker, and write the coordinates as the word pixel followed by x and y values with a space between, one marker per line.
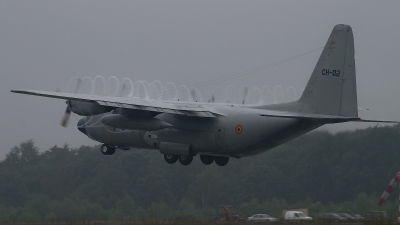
pixel 230 213
pixel 376 215
pixel 348 217
pixel 297 216
pixel 261 218
pixel 330 217
pixel 358 217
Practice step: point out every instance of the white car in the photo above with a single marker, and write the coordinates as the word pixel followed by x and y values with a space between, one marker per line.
pixel 261 218
pixel 297 216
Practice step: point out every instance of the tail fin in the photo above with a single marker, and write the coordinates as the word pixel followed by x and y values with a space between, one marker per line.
pixel 331 89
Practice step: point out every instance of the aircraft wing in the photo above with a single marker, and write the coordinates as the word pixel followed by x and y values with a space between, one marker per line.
pixel 320 117
pixel 174 107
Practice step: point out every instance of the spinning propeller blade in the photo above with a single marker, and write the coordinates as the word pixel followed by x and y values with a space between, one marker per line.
pixel 67 114
pixel 245 92
pixel 193 95
pixel 122 89
pixel 65 119
pixel 212 99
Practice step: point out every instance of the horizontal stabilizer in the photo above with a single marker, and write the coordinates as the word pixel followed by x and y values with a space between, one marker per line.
pixel 320 117
pixel 377 121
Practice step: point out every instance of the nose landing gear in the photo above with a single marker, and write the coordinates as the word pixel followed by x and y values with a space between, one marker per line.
pixel 107 149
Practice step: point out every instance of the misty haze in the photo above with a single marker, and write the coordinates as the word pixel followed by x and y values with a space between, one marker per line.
pixel 241 54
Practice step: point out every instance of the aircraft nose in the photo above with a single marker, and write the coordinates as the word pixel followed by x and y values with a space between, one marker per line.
pixel 81 125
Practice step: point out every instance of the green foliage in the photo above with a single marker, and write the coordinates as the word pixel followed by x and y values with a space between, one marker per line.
pixel 345 172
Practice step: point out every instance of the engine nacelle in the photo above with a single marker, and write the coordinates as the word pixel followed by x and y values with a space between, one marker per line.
pixel 134 122
pixel 88 108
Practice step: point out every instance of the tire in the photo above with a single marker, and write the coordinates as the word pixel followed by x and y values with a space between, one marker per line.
pixel 221 161
pixel 207 159
pixel 185 159
pixel 111 150
pixel 104 149
pixel 171 159
pixel 107 149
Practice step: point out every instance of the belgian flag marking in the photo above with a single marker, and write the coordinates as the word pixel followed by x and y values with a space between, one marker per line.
pixel 238 129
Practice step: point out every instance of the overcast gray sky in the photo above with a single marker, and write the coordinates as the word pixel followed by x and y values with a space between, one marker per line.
pixel 43 44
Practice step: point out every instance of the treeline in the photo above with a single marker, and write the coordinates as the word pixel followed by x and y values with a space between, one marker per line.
pixel 344 172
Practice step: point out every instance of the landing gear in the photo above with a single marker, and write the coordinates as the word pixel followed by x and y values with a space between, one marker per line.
pixel 207 159
pixel 171 159
pixel 107 149
pixel 185 159
pixel 221 161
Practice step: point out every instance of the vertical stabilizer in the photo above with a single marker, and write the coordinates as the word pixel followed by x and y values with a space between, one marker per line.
pixel 331 89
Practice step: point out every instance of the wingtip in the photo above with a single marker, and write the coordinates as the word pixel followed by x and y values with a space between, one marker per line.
pixel 377 121
pixel 18 91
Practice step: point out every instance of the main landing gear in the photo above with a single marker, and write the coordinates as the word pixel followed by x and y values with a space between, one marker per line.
pixel 219 160
pixel 205 159
pixel 183 159
pixel 171 159
pixel 107 149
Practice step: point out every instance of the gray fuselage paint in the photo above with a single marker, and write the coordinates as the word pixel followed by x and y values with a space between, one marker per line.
pixel 218 136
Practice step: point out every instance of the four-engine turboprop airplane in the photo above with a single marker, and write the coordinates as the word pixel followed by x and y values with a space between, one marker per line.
pixel 218 131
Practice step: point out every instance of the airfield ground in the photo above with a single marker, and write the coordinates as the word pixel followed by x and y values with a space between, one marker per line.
pixel 196 223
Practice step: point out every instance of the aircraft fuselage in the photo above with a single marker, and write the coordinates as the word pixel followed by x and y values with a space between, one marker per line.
pixel 242 132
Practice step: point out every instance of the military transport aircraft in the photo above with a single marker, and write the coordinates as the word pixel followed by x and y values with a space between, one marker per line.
pixel 218 131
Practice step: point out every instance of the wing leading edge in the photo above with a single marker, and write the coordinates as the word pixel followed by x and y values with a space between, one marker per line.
pixel 187 109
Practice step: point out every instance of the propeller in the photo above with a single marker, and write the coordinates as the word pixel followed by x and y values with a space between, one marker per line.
pixel 245 92
pixel 122 89
pixel 212 99
pixel 193 95
pixel 67 114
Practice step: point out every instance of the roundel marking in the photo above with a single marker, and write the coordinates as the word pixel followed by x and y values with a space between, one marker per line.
pixel 238 129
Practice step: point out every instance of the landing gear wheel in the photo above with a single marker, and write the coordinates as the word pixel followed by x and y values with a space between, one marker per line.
pixel 221 161
pixel 111 150
pixel 207 159
pixel 185 159
pixel 107 149
pixel 171 159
